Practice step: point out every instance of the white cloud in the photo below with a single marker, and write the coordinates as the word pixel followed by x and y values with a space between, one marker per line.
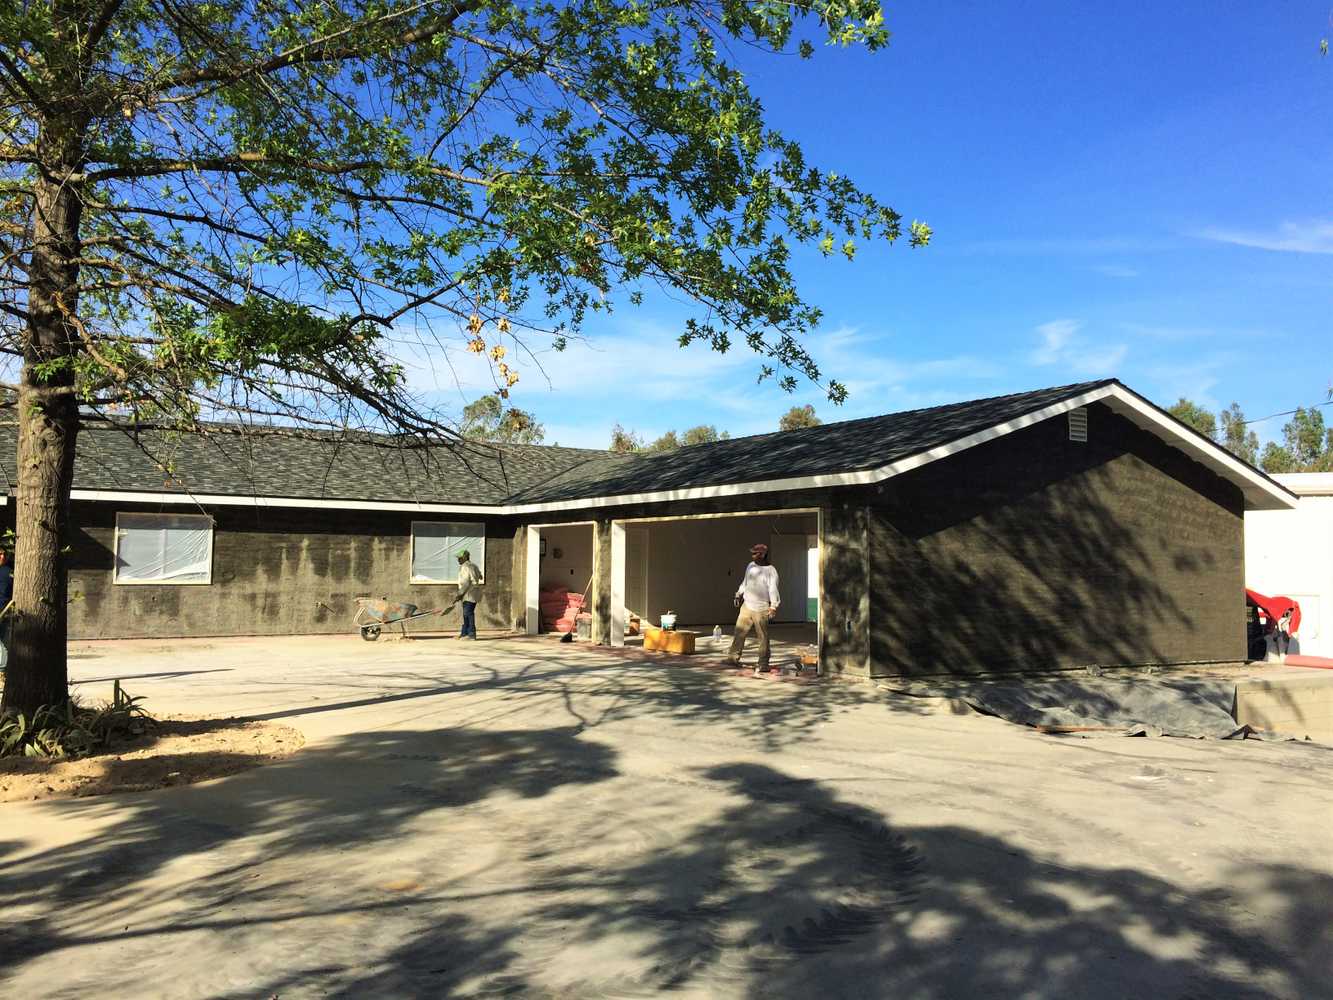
pixel 1061 346
pixel 1307 236
pixel 1055 337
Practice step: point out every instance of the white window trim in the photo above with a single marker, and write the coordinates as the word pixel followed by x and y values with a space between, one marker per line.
pixel 135 515
pixel 477 559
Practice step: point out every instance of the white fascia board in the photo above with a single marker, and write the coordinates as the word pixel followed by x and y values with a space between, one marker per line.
pixel 1261 493
pixel 1308 484
pixel 236 500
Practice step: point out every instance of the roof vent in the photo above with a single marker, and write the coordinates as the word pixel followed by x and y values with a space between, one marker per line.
pixel 1078 424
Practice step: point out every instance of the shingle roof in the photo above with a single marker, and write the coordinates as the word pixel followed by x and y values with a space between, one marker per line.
pixel 327 466
pixel 361 467
pixel 846 446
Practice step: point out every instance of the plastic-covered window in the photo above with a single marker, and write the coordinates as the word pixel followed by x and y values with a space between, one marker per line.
pixel 164 548
pixel 436 545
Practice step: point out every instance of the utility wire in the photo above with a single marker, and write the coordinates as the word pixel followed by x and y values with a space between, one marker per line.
pixel 1286 413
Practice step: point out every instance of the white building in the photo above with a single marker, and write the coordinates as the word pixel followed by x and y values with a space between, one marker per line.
pixel 1290 552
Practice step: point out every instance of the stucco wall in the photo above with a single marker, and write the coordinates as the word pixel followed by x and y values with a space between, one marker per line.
pixel 1036 552
pixel 275 571
pixel 1290 553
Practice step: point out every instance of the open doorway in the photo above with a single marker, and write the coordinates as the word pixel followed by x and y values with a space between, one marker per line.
pixel 564 575
pixel 692 567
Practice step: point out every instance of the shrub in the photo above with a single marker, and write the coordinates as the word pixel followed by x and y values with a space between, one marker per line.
pixel 71 729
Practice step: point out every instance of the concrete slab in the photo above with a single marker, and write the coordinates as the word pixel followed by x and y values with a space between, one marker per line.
pixel 1296 701
pixel 526 818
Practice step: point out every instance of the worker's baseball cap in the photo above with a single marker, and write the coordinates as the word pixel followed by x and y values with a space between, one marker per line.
pixel 759 549
pixel 464 555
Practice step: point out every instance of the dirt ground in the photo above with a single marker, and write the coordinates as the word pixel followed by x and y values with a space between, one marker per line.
pixel 523 818
pixel 170 752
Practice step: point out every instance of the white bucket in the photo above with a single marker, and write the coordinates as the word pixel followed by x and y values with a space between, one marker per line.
pixel 668 621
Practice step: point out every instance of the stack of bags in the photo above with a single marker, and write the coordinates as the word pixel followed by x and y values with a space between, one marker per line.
pixel 559 609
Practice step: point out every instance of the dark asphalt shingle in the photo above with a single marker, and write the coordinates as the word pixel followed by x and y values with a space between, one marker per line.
pixel 359 467
pixel 846 446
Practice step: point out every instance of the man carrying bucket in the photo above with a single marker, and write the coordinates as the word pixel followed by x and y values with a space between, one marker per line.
pixel 758 600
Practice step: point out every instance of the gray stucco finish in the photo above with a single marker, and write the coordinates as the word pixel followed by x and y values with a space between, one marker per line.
pixel 275 572
pixel 1030 552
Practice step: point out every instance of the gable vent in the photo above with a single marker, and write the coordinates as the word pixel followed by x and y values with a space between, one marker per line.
pixel 1078 424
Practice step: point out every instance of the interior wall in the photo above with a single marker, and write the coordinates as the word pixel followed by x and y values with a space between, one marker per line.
pixel 694 566
pixel 572 569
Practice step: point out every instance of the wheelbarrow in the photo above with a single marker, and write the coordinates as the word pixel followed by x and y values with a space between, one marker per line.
pixel 373 613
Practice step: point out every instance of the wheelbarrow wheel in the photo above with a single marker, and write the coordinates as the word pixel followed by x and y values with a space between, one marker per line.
pixel 370 632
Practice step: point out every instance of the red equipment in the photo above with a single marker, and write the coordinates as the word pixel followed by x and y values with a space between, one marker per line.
pixel 1272 610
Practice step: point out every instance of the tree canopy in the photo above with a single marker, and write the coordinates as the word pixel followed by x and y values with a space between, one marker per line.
pixel 1307 445
pixel 1196 416
pixel 798 417
pixel 626 441
pixel 270 211
pixel 488 419
pixel 1235 435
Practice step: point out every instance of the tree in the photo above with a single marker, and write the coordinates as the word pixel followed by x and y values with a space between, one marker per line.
pixel 1307 445
pixel 1236 436
pixel 667 442
pixel 1196 416
pixel 487 419
pixel 220 208
pixel 624 441
pixel 702 434
pixel 798 417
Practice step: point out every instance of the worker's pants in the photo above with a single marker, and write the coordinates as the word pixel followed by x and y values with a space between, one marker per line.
pixel 469 619
pixel 745 621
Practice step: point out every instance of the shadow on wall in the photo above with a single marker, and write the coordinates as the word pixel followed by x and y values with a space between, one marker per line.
pixel 1114 564
pixel 736 879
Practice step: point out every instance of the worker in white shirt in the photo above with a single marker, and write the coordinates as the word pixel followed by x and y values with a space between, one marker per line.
pixel 758 600
pixel 468 592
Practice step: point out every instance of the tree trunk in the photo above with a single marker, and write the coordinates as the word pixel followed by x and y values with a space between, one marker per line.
pixel 48 417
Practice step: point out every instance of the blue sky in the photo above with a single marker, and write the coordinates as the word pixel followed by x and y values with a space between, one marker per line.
pixel 1145 193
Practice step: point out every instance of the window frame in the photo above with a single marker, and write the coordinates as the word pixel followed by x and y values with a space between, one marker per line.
pixel 478 558
pixel 137 514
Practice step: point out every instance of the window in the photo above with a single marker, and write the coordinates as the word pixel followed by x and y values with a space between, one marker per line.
pixel 164 548
pixel 435 548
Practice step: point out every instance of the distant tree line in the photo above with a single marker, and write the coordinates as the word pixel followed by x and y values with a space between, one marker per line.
pixel 1307 445
pixel 625 441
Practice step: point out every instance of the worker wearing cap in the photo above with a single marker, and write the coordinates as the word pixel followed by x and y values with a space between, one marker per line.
pixel 758 600
pixel 468 579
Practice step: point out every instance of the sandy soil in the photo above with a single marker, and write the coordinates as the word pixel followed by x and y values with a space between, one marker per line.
pixel 171 752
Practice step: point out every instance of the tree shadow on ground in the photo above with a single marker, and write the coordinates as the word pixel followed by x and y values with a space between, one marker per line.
pixel 730 880
pixel 594 688
pixel 362 790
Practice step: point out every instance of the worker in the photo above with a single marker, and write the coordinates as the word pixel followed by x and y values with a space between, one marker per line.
pixel 468 579
pixel 758 599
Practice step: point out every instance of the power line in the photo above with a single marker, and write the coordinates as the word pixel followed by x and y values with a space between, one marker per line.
pixel 1286 413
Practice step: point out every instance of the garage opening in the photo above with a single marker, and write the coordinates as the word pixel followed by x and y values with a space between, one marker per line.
pixel 692 567
pixel 565 555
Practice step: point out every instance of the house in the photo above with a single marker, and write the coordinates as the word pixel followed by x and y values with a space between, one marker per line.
pixel 1068 526
pixel 1290 553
